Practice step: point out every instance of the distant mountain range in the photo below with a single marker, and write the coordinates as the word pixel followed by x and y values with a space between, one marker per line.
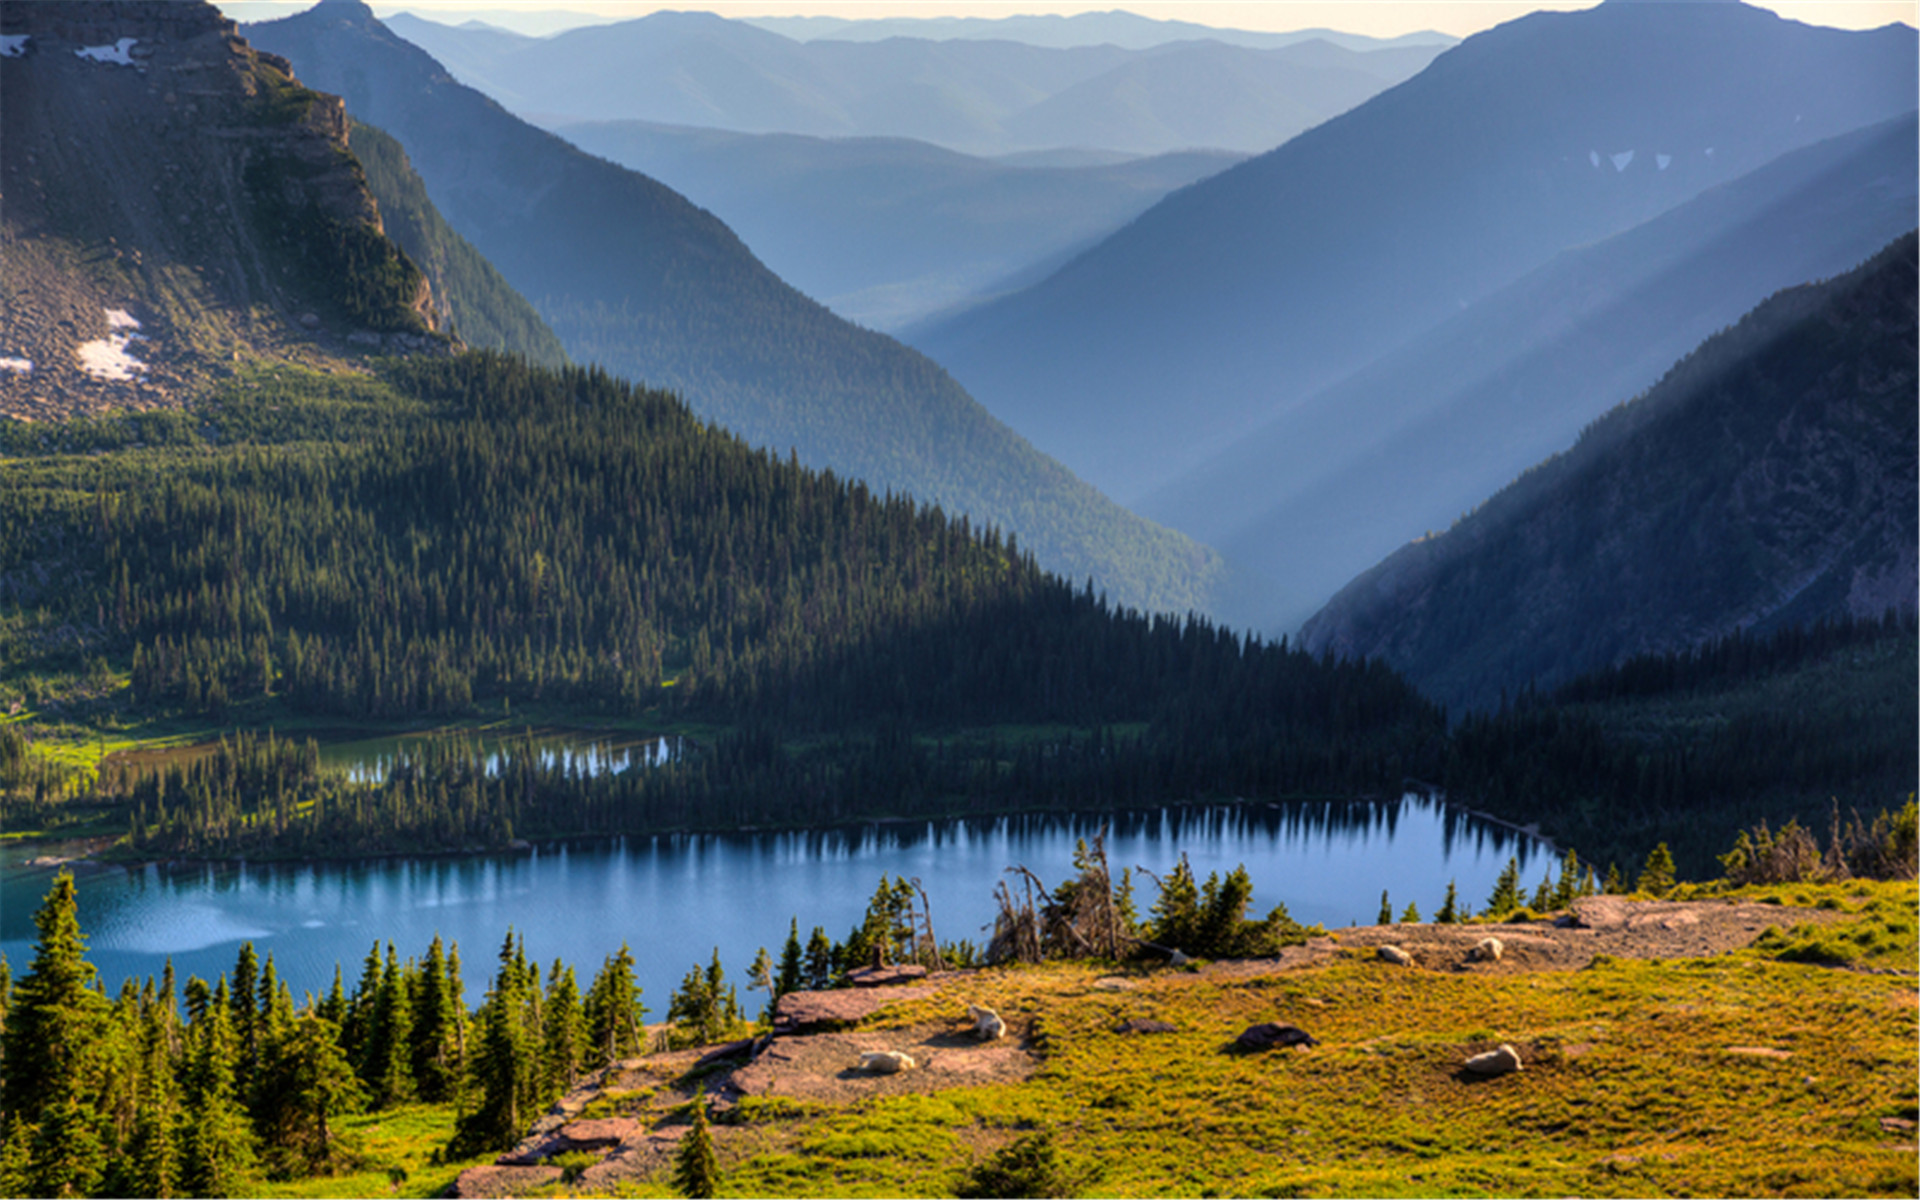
pixel 633 277
pixel 1129 31
pixel 1767 482
pixel 885 231
pixel 176 202
pixel 977 96
pixel 1408 444
pixel 1234 300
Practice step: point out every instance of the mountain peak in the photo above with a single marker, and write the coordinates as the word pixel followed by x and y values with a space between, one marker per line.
pixel 345 10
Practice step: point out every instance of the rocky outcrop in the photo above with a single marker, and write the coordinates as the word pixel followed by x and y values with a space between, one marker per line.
pixel 156 166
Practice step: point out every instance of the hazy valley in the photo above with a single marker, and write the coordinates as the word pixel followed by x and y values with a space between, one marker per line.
pixel 939 605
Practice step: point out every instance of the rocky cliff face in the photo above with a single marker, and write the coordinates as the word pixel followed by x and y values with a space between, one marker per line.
pixel 1767 481
pixel 171 200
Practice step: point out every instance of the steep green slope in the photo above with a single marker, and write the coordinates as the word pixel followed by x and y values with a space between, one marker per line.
pixel 633 277
pixel 475 303
pixel 1767 481
pixel 468 537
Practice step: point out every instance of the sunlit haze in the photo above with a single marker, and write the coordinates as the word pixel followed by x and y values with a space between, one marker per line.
pixel 1378 18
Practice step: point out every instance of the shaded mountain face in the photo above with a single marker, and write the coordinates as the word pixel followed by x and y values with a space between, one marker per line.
pixel 977 96
pixel 633 277
pixel 1230 301
pixel 1408 444
pixel 474 300
pixel 1767 482
pixel 175 200
pixel 884 231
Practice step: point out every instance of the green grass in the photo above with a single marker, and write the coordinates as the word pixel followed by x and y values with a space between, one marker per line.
pixel 394 1153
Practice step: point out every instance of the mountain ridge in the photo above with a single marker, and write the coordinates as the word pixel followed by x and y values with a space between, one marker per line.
pixel 1765 482
pixel 631 275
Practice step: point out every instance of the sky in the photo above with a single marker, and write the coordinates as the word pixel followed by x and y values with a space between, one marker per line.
pixel 1376 18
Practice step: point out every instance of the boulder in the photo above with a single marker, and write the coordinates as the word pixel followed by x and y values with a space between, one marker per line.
pixel 1145 1025
pixel 1502 1060
pixel 1271 1035
pixel 1395 955
pixel 797 1012
pixel 1600 912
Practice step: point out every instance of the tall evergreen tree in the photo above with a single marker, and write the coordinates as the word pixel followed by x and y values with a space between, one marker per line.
pixel 219 1149
pixel 53 1050
pixel 436 1035
pixel 616 1020
pixel 563 1038
pixel 792 963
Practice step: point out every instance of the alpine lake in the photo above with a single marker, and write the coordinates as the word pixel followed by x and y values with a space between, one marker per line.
pixel 676 899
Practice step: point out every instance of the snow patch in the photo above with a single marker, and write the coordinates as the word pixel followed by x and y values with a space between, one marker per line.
pixel 116 53
pixel 1593 156
pixel 1621 160
pixel 107 358
pixel 14 45
pixel 1661 160
pixel 21 365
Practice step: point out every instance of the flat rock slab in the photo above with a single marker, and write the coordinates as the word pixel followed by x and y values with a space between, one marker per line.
pixel 825 1066
pixel 1759 1052
pixel 1601 912
pixel 503 1181
pixel 798 1012
pixel 873 977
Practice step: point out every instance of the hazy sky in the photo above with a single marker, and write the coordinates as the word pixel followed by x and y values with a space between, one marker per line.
pixel 1379 18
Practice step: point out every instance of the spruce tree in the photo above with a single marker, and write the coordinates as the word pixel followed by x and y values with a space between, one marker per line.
pixel 615 1018
pixel 563 1039
pixel 790 978
pixel 53 1052
pixel 314 1085
pixel 696 1169
pixel 1412 915
pixel 219 1149
pixel 1386 910
pixel 819 966
pixel 436 1019
pixel 1449 913
pixel 1506 891
pixel 1656 877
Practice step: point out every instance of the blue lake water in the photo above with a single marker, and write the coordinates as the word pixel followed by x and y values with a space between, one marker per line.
pixel 675 899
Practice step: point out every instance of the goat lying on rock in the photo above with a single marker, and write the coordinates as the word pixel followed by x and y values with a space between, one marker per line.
pixel 886 1062
pixel 1489 950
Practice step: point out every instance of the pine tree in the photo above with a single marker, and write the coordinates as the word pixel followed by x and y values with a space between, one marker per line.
pixel 502 1062
pixel 1614 885
pixel 390 1052
pixel 819 966
pixel 760 977
pixel 436 1019
pixel 1656 877
pixel 615 1018
pixel 790 978
pixel 53 1043
pixel 314 1085
pixel 1411 916
pixel 219 1150
pixel 1569 886
pixel 563 1038
pixel 1450 913
pixel 1386 910
pixel 1506 891
pixel 696 1169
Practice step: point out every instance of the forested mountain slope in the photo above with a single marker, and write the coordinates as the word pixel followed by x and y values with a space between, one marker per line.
pixel 633 277
pixel 886 231
pixel 1467 407
pixel 1768 481
pixel 1230 301
pixel 474 301
pixel 174 200
pixel 464 538
pixel 979 96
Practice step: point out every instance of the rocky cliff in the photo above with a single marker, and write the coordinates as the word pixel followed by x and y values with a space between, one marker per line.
pixel 172 200
pixel 1767 481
